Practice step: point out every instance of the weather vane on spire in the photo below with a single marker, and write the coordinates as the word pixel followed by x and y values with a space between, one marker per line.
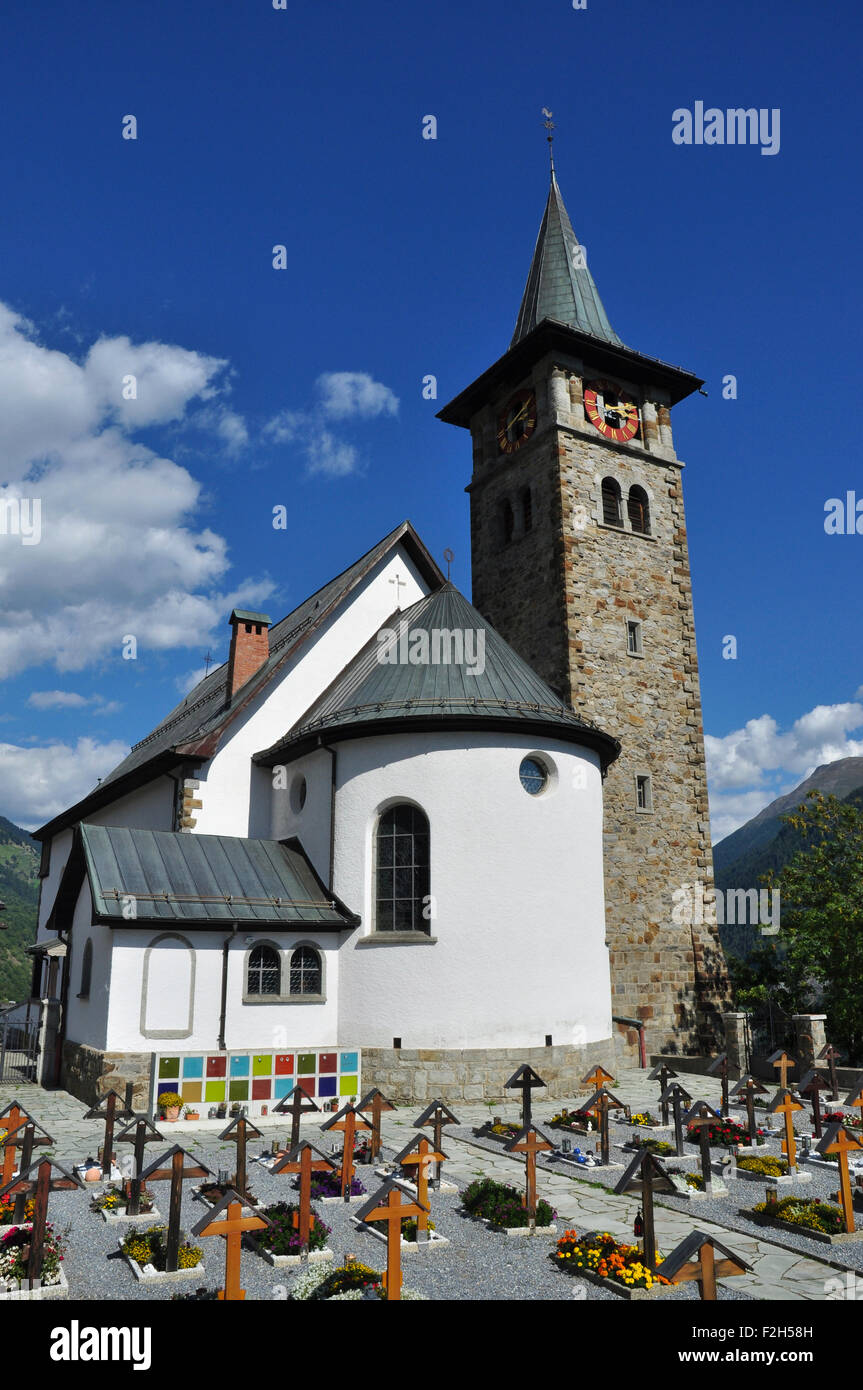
pixel 549 125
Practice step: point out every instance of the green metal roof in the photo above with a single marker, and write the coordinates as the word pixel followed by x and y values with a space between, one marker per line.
pixel 496 687
pixel 559 285
pixel 205 880
pixel 242 615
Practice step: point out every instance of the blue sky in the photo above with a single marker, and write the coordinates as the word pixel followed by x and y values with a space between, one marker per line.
pixel 406 256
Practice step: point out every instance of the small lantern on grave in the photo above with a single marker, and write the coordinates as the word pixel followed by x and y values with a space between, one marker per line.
pixel 638 1224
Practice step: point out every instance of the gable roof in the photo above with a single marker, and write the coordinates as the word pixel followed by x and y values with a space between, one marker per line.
pixel 191 732
pixel 375 695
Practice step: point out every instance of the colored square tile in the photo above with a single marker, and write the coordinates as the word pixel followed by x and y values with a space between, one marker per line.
pixel 193 1068
pixel 306 1063
pixel 282 1087
pixel 327 1062
pixel 165 1088
pixel 262 1064
pixel 238 1090
pixel 348 1086
pixel 262 1090
pixel 192 1090
pixel 327 1086
pixel 284 1064
pixel 214 1091
pixel 217 1066
pixel 349 1061
pixel 239 1066
pixel 169 1068
pixel 307 1086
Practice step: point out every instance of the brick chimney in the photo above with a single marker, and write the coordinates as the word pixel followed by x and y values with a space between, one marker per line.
pixel 250 647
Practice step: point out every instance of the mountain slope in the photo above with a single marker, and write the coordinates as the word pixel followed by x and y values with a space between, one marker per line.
pixel 19 890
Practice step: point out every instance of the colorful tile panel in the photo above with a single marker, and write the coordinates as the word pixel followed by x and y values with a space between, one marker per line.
pixel 257 1078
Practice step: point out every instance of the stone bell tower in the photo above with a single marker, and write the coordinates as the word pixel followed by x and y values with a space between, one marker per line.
pixel 580 561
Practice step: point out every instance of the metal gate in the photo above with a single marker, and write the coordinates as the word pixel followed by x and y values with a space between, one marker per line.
pixel 19 1049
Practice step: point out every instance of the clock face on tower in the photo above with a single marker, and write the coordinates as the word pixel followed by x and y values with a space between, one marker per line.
pixel 610 411
pixel 517 422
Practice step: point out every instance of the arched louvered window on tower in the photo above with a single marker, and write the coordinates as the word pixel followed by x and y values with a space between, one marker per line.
pixel 306 974
pixel 526 509
pixel 264 971
pixel 402 870
pixel 611 512
pixel 638 509
pixel 507 521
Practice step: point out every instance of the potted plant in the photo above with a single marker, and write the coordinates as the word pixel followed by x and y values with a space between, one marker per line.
pixel 170 1103
pixel 191 1113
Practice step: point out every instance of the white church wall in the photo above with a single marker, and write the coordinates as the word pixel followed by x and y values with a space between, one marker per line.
pixel 516 883
pixel 60 847
pixel 87 1019
pixel 227 781
pixel 309 822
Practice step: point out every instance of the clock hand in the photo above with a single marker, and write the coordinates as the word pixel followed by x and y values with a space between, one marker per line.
pixel 517 417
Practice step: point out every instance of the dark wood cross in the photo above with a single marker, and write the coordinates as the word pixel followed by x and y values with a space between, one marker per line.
pixel 377 1103
pixel 749 1088
pixel 138 1132
pixel 435 1116
pixel 663 1074
pixel 719 1067
pixel 349 1122
pixel 784 1104
pixel 226 1220
pixel 784 1063
pixel 421 1154
pixel 12 1118
pixel 26 1139
pixel 646 1176
pixel 701 1116
pixel 295 1105
pixel 597 1078
pixel 829 1054
pixel 389 1205
pixel 838 1141
pixel 524 1079
pixel 170 1167
pixel 599 1104
pixel 240 1131
pixel 39 1187
pixel 530 1142
pixel 110 1108
pixel 678 1096
pixel 812 1085
pixel 695 1259
pixel 302 1161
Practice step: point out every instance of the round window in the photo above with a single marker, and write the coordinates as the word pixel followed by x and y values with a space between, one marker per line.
pixel 298 794
pixel 534 777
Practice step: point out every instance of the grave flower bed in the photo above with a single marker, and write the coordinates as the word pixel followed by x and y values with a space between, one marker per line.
pixel 116 1199
pixel 13 1263
pixel 659 1147
pixel 769 1166
pixel 409 1228
pixel 813 1215
pixel 282 1236
pixel 643 1119
pixel 330 1185
pixel 695 1181
pixel 574 1120
pixel 723 1134
pixel 148 1248
pixel 7 1207
pixel 605 1258
pixel 351 1282
pixel 501 1205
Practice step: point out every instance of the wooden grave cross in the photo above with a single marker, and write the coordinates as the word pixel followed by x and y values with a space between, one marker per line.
pixel 388 1205
pixel 831 1056
pixel 677 1094
pixel 646 1175
pixel 110 1108
pixel 139 1132
pixel 719 1067
pixel 838 1141
pixel 749 1088
pixel 701 1116
pixel 349 1122
pixel 377 1103
pixel 785 1105
pixel 597 1078
pixel 230 1224
pixel 240 1131
pixel 784 1063
pixel 170 1167
pixel 295 1105
pixel 855 1100
pixel 530 1142
pixel 524 1079
pixel 600 1103
pixel 12 1118
pixel 421 1153
pixel 302 1162
pixel 39 1187
pixel 812 1085
pixel 695 1259
pixel 435 1116
pixel 26 1139
pixel 663 1074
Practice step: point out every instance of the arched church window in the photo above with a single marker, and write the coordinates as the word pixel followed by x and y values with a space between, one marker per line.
pixel 507 521
pixel 611 513
pixel 526 509
pixel 402 870
pixel 264 971
pixel 305 971
pixel 86 970
pixel 638 508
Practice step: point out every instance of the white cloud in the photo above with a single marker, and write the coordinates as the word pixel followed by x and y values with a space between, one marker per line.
pixel 347 394
pixel 740 765
pixel 341 396
pixel 328 455
pixel 39 783
pixel 57 699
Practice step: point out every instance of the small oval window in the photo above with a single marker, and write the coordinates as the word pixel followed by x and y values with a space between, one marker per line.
pixel 298 794
pixel 533 776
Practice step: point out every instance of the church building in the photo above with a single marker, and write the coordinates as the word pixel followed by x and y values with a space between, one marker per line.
pixel 406 841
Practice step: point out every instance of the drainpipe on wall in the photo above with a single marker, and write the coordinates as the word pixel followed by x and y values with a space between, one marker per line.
pixel 225 949
pixel 332 752
pixel 639 1024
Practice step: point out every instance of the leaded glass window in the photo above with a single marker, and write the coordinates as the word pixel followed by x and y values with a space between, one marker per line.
pixel 402 870
pixel 264 971
pixel 305 971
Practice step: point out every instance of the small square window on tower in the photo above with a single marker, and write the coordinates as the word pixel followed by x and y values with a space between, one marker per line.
pixel 633 637
pixel 643 793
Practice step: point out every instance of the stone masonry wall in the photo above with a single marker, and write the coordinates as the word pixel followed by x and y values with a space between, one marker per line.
pixel 418 1076
pixel 87 1073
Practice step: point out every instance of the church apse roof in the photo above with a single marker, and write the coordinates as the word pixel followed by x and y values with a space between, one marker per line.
pixel 439 663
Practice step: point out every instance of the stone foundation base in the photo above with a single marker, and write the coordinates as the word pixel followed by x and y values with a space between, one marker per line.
pixel 88 1074
pixel 478 1074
